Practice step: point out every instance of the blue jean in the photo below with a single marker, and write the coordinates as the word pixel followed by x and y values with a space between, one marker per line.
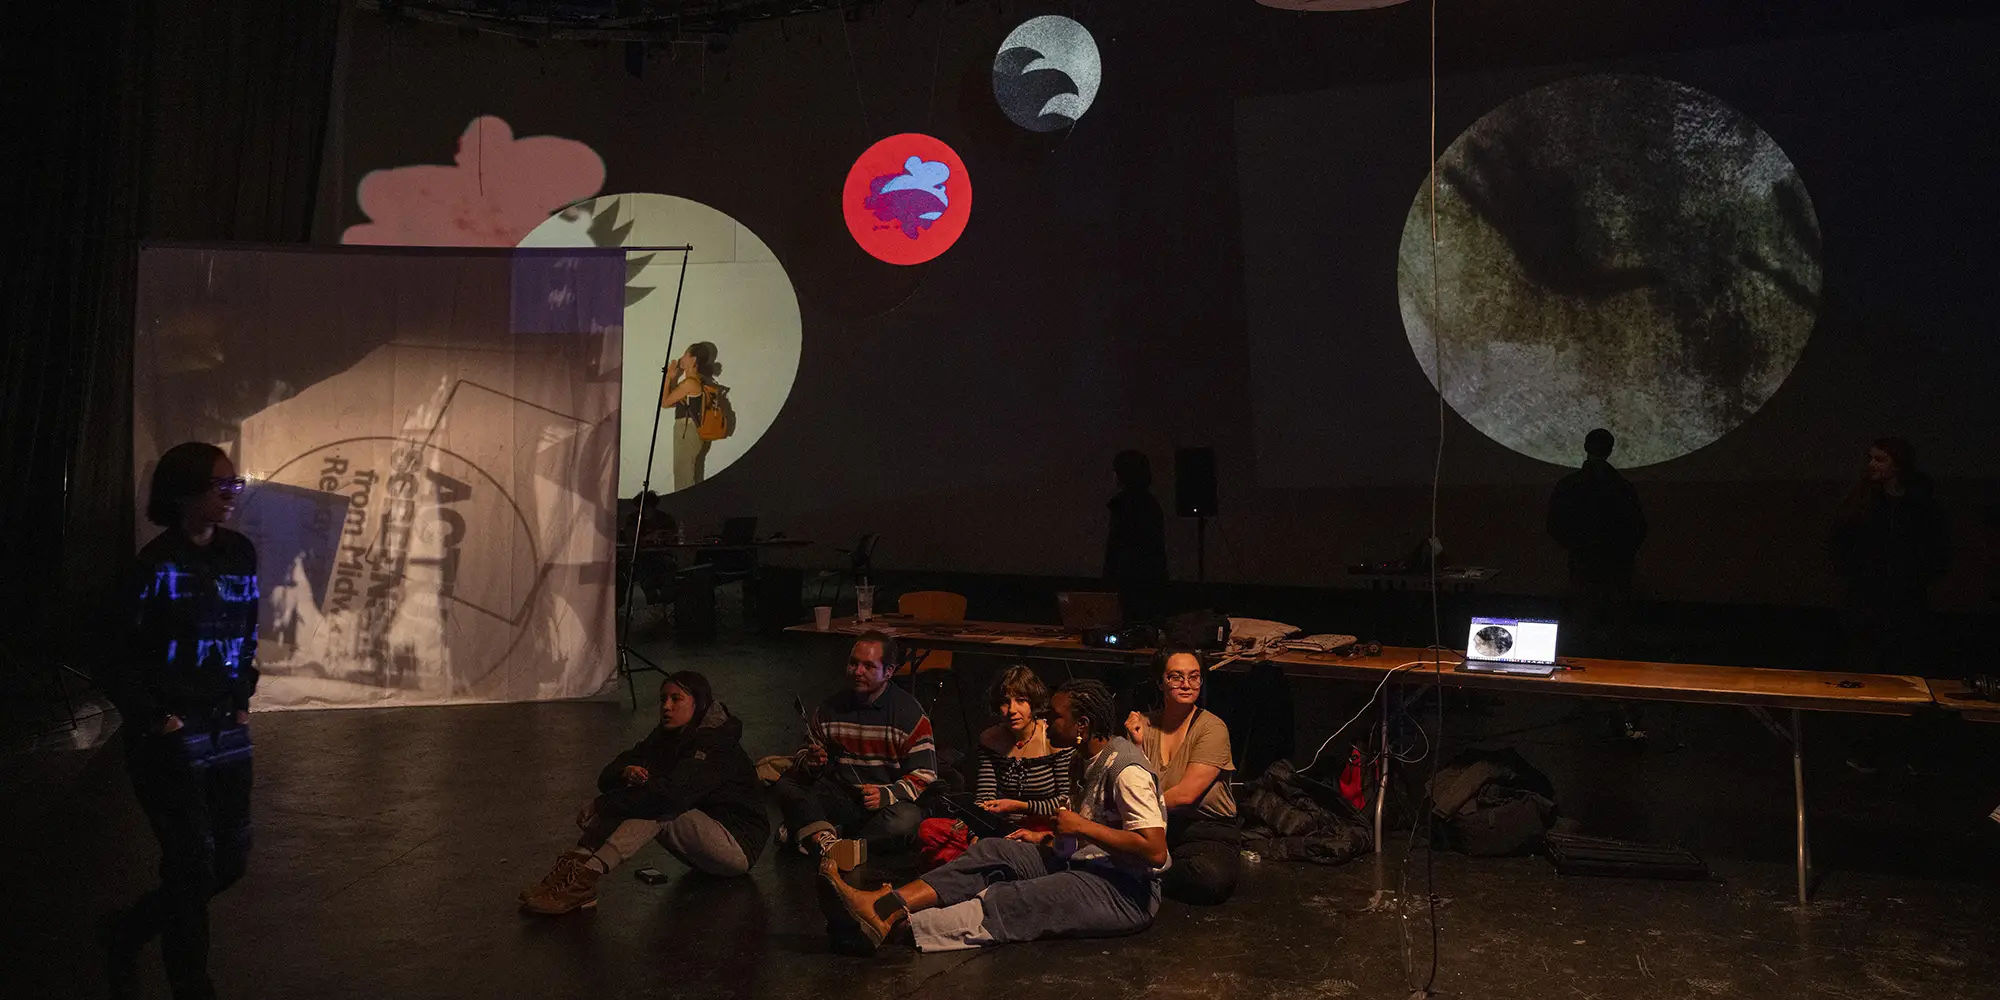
pixel 1002 891
pixel 830 804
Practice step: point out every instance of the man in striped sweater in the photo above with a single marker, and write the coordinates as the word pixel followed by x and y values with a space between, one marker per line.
pixel 868 755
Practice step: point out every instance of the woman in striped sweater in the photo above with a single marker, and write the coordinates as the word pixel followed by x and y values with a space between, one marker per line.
pixel 1020 774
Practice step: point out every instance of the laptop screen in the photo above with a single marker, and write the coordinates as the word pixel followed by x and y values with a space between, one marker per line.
pixel 1512 640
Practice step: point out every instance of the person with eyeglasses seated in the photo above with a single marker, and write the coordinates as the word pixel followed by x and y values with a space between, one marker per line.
pixel 1097 874
pixel 182 683
pixel 1020 772
pixel 1189 746
pixel 688 785
pixel 869 755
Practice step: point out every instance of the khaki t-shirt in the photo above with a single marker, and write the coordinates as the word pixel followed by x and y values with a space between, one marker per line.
pixel 1207 742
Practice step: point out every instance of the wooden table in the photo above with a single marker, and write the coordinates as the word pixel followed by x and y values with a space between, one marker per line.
pixel 1953 696
pixel 1758 689
pixel 755 546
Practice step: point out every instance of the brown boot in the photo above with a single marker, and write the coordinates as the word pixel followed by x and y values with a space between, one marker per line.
pixel 571 885
pixel 549 879
pixel 850 912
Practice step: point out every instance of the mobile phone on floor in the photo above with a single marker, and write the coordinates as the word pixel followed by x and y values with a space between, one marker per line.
pixel 650 876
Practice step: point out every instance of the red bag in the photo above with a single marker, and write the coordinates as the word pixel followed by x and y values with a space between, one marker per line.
pixel 939 840
pixel 1353 780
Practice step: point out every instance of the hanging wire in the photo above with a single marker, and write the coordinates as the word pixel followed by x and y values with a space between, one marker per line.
pixel 1437 478
pixel 855 72
pixel 937 56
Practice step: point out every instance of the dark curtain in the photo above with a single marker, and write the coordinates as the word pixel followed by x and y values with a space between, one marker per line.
pixel 138 119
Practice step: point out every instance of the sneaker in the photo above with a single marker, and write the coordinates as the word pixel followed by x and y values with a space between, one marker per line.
pixel 848 854
pixel 570 886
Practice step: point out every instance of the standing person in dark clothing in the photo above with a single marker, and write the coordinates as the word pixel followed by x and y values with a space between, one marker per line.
pixel 183 685
pixel 1890 544
pixel 1594 515
pixel 688 784
pixel 1135 549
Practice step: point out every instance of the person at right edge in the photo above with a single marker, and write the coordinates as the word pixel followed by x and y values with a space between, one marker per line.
pixel 1890 544
pixel 182 684
pixel 1189 747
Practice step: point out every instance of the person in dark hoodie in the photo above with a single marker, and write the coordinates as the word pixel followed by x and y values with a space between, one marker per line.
pixel 182 684
pixel 1135 549
pixel 688 784
pixel 1890 544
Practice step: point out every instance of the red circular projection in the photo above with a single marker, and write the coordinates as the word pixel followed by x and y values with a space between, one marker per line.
pixel 907 199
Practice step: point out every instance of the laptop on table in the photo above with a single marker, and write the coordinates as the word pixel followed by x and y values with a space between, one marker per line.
pixel 1511 646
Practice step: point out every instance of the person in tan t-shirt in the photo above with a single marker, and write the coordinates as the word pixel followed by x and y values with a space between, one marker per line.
pixel 1190 747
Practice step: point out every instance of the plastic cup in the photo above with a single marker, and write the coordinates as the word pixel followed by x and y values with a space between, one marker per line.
pixel 823 617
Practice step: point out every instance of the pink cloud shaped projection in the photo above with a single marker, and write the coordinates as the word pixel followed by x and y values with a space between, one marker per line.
pixel 498 189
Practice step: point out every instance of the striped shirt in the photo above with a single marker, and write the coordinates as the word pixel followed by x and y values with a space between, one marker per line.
pixel 886 742
pixel 1041 782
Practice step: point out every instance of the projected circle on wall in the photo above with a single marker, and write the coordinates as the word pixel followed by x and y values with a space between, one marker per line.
pixel 1046 73
pixel 737 298
pixel 907 199
pixel 1614 251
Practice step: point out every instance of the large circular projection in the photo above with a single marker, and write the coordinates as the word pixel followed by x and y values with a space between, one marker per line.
pixel 1046 73
pixel 1614 251
pixel 737 297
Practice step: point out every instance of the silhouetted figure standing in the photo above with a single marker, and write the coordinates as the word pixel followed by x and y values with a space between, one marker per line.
pixel 1595 516
pixel 1890 543
pixel 1135 550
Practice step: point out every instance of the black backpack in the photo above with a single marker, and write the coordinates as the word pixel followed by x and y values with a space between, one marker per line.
pixel 1490 803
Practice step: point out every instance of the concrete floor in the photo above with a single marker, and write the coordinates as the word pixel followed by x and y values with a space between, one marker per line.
pixel 390 844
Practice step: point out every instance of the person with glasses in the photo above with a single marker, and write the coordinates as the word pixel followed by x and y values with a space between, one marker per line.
pixel 1189 745
pixel 869 754
pixel 182 683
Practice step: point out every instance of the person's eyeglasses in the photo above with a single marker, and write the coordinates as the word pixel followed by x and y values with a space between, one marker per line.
pixel 1183 680
pixel 228 486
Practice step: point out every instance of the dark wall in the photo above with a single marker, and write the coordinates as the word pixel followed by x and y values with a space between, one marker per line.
pixel 127 120
pixel 968 408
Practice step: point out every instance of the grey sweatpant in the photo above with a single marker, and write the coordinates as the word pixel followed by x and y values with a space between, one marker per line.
pixel 693 838
pixel 1002 891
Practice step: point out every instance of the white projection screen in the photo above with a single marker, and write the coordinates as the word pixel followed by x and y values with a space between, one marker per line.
pixel 431 439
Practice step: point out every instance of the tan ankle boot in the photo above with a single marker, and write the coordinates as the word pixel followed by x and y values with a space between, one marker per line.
pixel 571 886
pixel 850 912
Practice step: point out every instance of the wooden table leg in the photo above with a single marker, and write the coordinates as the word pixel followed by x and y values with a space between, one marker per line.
pixel 1381 790
pixel 1799 797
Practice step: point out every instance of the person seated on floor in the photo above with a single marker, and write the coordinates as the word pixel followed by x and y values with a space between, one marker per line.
pixel 1189 746
pixel 1096 875
pixel 688 784
pixel 1020 772
pixel 869 755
